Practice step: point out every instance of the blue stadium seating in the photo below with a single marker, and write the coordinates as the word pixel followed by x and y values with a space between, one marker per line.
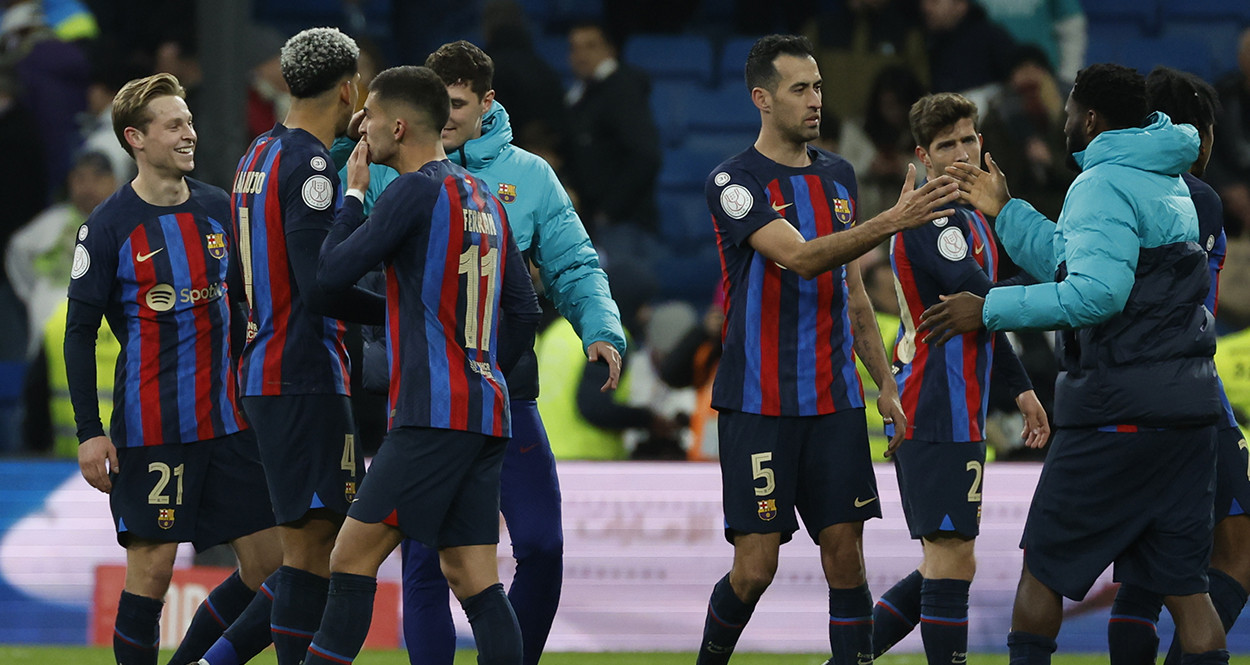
pixel 671 57
pixel 670 102
pixel 1206 10
pixel 555 50
pixel 687 168
pixel 726 108
pixel 684 216
pixel 733 58
pixel 1145 13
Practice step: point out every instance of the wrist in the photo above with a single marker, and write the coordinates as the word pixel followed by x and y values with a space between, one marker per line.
pixel 356 193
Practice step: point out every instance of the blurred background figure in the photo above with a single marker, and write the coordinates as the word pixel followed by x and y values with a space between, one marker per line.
pixel 880 146
pixel 967 52
pixel 531 85
pixel 858 39
pixel 108 74
pixel 1229 170
pixel 1058 27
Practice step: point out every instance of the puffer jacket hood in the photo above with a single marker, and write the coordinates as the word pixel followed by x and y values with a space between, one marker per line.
pixel 1160 147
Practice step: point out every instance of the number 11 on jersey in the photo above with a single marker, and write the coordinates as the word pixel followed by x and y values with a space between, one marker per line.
pixel 479 316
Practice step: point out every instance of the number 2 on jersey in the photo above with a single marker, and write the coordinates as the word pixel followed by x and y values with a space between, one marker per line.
pixel 478 318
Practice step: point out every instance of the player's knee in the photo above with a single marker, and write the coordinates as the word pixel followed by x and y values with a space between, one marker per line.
pixel 149 578
pixel 544 551
pixel 750 583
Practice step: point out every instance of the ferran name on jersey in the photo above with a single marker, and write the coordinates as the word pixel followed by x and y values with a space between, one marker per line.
pixel 165 518
pixel 768 509
pixel 476 221
pixel 216 243
pixel 506 193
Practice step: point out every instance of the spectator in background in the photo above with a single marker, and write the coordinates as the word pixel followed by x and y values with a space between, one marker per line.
pixel 614 151
pixel 268 97
pixel 859 38
pixel 70 20
pixel 880 146
pixel 53 76
pixel 21 172
pixel 667 325
pixel 967 52
pixel 1229 170
pixel 180 56
pixel 108 75
pixel 692 363
pixel 525 79
pixel 1024 123
pixel 1058 27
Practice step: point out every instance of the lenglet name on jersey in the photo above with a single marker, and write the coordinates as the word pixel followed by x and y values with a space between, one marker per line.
pixel 479 222
pixel 249 182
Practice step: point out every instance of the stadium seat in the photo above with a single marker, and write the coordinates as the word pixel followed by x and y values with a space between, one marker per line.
pixel 726 108
pixel 669 103
pixel 1206 9
pixel 1216 38
pixel 684 216
pixel 687 169
pixel 1107 40
pixel 555 50
pixel 1172 50
pixel 722 144
pixel 733 59
pixel 1145 13
pixel 671 57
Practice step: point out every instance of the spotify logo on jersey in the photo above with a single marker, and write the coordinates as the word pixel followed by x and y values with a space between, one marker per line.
pixel 160 298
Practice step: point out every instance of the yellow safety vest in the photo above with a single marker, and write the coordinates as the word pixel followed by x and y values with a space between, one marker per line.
pixel 61 410
pixel 561 363
pixel 1232 360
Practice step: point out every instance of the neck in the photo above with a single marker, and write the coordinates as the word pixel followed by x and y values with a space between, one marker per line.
pixel 314 117
pixel 412 158
pixel 161 189
pixel 782 150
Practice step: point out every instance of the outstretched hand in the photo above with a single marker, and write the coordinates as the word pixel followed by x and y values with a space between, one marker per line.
pixel 984 190
pixel 954 316
pixel 915 207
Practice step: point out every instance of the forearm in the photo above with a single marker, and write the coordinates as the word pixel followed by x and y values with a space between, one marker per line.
pixel 82 323
pixel 1028 237
pixel 1008 368
pixel 1076 302
pixel 828 252
pixel 868 344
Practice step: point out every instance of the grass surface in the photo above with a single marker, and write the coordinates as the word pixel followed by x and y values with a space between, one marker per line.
pixel 38 655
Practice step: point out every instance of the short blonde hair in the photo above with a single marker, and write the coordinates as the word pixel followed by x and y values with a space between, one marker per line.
pixel 130 105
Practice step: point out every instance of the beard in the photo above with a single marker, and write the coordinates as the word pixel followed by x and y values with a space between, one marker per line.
pixel 1076 142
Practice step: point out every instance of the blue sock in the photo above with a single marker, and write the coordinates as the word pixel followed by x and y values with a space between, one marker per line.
pixel 850 625
pixel 727 615
pixel 1228 597
pixel 249 634
pixel 897 613
pixel 1029 648
pixel 429 632
pixel 1214 657
pixel 349 609
pixel 1132 631
pixel 137 632
pixel 495 629
pixel 298 601
pixel 944 620
pixel 224 604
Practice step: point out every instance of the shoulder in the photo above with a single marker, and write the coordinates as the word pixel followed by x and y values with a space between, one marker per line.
pixel 745 168
pixel 208 195
pixel 122 206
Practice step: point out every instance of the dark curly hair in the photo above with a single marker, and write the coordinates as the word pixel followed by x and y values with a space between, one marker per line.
pixel 761 71
pixel 462 62
pixel 1183 96
pixel 1116 92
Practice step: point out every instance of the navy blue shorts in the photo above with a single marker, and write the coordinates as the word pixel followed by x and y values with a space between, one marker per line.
pixel 940 484
pixel 1140 500
pixel 204 493
pixel 1232 474
pixel 311 454
pixel 439 487
pixel 773 465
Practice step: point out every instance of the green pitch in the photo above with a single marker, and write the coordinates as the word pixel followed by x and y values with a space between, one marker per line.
pixel 33 655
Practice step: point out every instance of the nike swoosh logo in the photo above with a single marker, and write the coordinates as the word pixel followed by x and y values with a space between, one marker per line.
pixel 861 504
pixel 977 249
pixel 144 257
pixel 526 449
pixel 777 208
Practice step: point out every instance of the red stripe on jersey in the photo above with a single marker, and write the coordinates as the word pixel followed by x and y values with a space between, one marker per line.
pixel 910 396
pixel 770 313
pixel 392 323
pixel 824 302
pixel 725 284
pixel 279 283
pixel 972 383
pixel 149 344
pixel 194 247
pixel 1127 429
pixel 458 385
pixel 991 246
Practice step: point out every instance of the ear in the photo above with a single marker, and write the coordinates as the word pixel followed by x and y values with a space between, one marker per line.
pixel 923 156
pixel 134 137
pixel 488 101
pixel 1092 123
pixel 400 129
pixel 345 90
pixel 762 100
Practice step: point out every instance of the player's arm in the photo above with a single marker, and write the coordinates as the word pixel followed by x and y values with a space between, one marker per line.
pixel 519 305
pixel 572 278
pixel 1027 236
pixel 869 347
pixel 354 246
pixel 96 454
pixel 780 242
pixel 1008 369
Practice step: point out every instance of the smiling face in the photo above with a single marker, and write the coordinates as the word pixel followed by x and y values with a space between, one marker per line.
pixel 795 104
pixel 167 143
pixel 959 142
pixel 467 109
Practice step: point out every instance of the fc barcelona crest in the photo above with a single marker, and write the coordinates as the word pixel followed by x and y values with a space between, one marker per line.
pixel 165 518
pixel 506 193
pixel 349 492
pixel 216 243
pixel 768 509
pixel 842 209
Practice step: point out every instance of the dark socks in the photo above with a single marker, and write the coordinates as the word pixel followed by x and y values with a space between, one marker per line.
pixel 298 603
pixel 495 628
pixel 850 625
pixel 249 634
pixel 348 612
pixel 137 633
pixel 727 615
pixel 896 613
pixel 223 605
pixel 1029 648
pixel 1215 657
pixel 944 620
pixel 1132 635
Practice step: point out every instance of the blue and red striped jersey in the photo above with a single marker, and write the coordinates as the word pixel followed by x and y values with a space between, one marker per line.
pixel 451 266
pixel 787 340
pixel 160 273
pixel 285 183
pixel 945 389
pixel 1213 239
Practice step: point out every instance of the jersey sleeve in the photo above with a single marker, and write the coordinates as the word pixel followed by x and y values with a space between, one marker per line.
pixel 94 269
pixel 308 194
pixel 944 256
pixel 353 248
pixel 738 203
